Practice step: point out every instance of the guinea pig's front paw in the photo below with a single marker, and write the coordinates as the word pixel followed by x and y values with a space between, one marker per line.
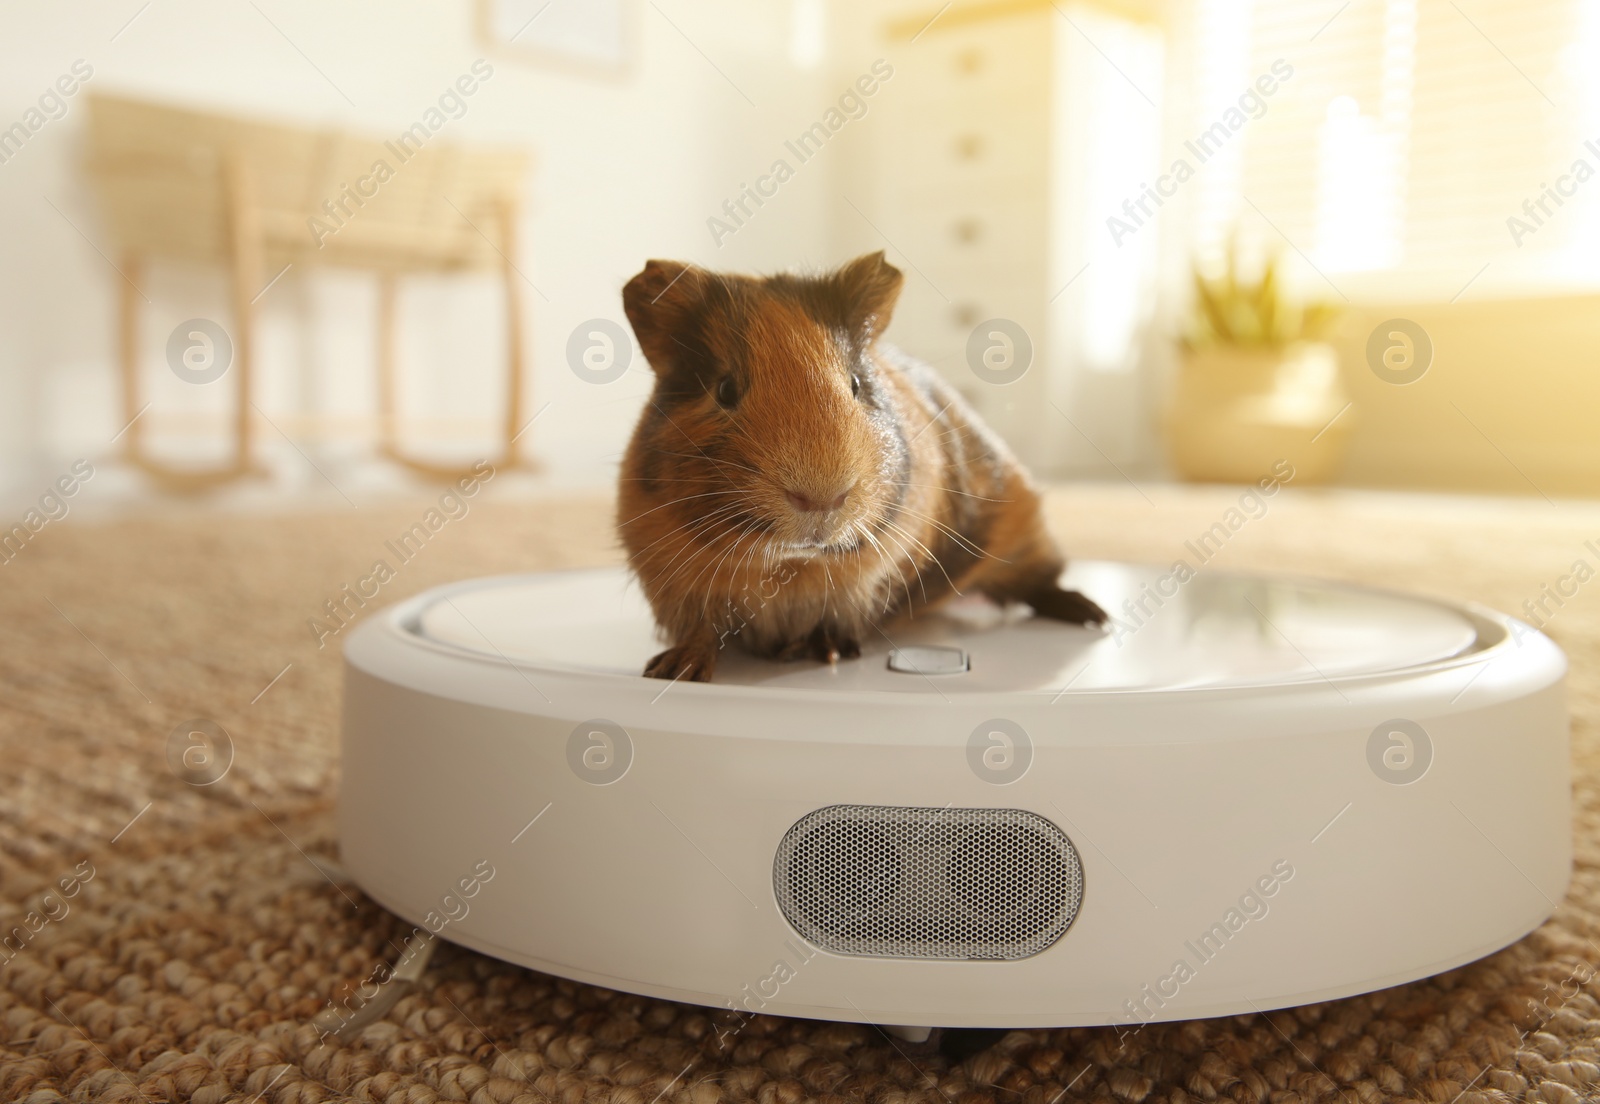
pixel 824 644
pixel 835 646
pixel 684 661
pixel 1068 606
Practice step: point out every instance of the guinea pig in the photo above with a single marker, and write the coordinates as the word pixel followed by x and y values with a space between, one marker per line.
pixel 793 482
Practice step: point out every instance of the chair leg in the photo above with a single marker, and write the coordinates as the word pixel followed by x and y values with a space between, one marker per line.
pixel 388 428
pixel 515 386
pixel 389 392
pixel 176 479
pixel 244 255
pixel 128 357
pixel 513 424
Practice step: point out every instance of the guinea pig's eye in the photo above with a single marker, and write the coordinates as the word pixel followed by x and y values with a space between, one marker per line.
pixel 855 384
pixel 727 391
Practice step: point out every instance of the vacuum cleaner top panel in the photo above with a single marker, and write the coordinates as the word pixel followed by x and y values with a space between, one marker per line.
pixel 1215 630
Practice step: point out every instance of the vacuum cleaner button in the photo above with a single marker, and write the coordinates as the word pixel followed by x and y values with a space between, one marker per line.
pixel 929 660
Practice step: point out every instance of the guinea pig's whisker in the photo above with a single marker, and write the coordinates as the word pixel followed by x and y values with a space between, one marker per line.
pixel 671 479
pixel 916 570
pixel 957 537
pixel 715 480
pixel 703 537
pixel 921 547
pixel 674 502
pixel 679 553
pixel 717 509
pixel 906 554
pixel 926 550
pixel 746 533
pixel 743 566
pixel 717 568
pixel 733 575
pixel 709 547
pixel 685 558
pixel 689 547
pixel 891 561
pixel 704 456
pixel 695 522
pixel 764 548
pixel 872 540
pixel 947 490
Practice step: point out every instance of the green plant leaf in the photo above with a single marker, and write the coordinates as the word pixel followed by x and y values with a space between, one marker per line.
pixel 1231 310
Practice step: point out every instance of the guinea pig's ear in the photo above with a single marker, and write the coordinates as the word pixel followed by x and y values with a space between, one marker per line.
pixel 867 289
pixel 660 301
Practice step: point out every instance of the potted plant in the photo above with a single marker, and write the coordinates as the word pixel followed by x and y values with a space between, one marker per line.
pixel 1256 383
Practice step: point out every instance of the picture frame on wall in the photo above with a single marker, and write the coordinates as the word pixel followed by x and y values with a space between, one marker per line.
pixel 595 38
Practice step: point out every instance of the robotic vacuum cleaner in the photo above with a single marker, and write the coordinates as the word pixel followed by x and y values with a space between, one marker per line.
pixel 1245 793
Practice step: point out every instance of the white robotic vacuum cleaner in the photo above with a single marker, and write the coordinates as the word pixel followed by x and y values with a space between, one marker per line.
pixel 1249 792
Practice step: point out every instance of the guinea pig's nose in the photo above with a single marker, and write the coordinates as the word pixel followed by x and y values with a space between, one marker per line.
pixel 807 504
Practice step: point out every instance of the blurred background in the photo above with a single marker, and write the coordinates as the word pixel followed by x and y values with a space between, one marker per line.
pixel 275 251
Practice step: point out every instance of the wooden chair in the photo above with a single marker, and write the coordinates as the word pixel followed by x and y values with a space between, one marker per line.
pixel 206 187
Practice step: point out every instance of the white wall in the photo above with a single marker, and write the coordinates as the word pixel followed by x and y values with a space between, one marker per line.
pixel 624 171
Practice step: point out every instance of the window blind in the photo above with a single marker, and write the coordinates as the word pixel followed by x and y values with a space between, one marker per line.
pixel 1424 142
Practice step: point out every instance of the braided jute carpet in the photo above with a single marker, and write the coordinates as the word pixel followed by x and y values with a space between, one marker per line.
pixel 187 941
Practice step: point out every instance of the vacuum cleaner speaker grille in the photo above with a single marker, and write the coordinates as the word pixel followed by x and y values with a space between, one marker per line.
pixel 905 882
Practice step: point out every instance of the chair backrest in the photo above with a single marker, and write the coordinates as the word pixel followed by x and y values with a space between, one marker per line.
pixel 167 177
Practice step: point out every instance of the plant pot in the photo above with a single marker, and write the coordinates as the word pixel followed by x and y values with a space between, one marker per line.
pixel 1236 412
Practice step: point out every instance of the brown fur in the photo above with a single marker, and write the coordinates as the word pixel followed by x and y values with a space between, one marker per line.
pixel 796 519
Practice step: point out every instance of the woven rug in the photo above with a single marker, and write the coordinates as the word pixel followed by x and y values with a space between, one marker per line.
pixel 180 939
